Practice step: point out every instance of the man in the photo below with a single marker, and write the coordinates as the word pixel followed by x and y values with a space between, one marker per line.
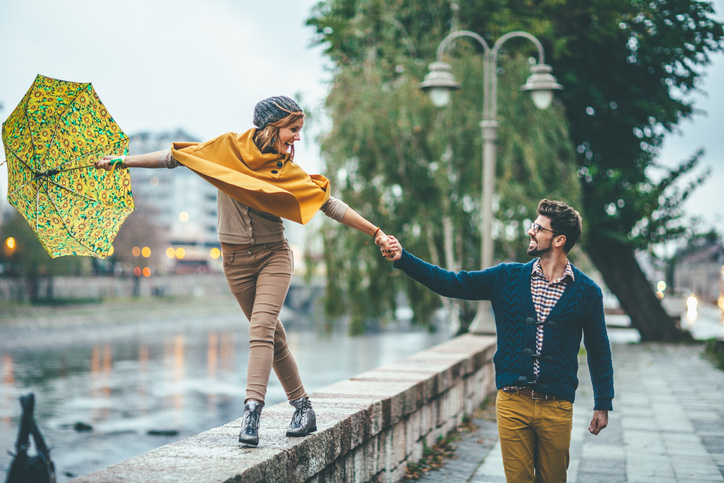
pixel 542 308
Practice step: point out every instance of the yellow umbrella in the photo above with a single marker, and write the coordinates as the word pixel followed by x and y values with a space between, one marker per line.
pixel 51 140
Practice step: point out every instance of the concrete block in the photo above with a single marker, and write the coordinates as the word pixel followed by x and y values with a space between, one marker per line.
pixel 372 452
pixel 412 432
pixel 426 420
pixel 399 453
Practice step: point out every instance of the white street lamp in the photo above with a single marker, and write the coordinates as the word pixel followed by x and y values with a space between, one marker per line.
pixel 440 82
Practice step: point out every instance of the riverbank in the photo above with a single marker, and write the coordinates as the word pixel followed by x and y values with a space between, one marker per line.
pixel 25 326
pixel 151 371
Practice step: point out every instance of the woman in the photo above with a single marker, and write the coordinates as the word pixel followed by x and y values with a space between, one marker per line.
pixel 258 184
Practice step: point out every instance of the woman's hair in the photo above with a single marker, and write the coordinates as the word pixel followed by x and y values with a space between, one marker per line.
pixel 564 220
pixel 266 138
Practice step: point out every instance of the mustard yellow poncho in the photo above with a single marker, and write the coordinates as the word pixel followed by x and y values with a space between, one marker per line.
pixel 267 182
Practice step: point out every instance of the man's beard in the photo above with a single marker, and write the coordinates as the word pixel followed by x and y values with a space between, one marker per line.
pixel 537 251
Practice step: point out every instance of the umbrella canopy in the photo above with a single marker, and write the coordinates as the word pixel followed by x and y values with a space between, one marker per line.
pixel 51 140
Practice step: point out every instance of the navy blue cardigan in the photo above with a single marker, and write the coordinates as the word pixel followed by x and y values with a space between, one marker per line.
pixel 579 312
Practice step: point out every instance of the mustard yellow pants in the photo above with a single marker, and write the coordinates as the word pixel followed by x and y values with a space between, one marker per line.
pixel 535 436
pixel 259 277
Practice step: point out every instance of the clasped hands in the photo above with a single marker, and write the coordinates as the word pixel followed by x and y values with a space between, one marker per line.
pixel 389 247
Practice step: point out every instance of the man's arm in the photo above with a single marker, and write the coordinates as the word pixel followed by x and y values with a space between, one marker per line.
pixel 600 363
pixel 461 285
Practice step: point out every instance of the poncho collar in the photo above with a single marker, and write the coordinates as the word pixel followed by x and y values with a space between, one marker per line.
pixel 253 157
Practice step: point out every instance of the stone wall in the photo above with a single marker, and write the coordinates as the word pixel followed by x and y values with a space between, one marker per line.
pixel 369 426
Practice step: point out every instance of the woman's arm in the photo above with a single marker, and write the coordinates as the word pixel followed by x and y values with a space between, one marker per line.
pixel 149 160
pixel 354 220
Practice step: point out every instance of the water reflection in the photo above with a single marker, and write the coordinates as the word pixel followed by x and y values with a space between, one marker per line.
pixel 108 401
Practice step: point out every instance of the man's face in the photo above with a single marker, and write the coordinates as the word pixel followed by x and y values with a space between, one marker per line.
pixel 541 236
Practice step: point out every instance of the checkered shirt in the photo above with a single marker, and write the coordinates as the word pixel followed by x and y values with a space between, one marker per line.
pixel 545 296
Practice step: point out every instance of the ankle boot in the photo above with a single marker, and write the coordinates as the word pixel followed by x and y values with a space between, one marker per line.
pixel 250 423
pixel 304 421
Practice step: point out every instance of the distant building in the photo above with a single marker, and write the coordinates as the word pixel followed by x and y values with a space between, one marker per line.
pixel 700 268
pixel 180 203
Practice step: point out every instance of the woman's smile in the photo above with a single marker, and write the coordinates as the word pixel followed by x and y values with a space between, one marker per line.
pixel 288 135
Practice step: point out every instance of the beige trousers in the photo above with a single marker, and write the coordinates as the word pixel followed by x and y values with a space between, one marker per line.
pixel 259 277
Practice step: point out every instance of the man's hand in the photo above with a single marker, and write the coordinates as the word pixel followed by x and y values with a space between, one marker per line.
pixel 599 421
pixel 392 250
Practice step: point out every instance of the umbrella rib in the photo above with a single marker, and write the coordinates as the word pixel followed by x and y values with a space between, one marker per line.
pixel 10 193
pixel 99 150
pixel 22 161
pixel 57 211
pixel 55 131
pixel 37 209
pixel 77 193
pixel 32 139
pixel 86 88
pixel 56 184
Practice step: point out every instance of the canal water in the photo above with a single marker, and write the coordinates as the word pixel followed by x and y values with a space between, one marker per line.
pixel 104 395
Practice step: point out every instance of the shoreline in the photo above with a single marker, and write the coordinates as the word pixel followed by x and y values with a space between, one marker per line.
pixel 27 327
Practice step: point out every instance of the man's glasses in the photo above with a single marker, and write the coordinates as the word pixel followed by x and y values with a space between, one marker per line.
pixel 536 228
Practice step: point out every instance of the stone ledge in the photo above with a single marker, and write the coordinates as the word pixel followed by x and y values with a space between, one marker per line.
pixel 369 426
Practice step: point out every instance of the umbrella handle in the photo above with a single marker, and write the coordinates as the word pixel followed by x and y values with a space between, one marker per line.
pixel 118 162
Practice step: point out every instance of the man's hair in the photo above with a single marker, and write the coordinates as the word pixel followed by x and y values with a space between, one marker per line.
pixel 564 220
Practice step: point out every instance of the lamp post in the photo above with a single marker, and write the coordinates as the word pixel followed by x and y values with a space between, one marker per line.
pixel 440 82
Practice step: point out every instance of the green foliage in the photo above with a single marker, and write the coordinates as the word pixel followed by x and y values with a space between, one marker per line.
pixel 414 169
pixel 628 67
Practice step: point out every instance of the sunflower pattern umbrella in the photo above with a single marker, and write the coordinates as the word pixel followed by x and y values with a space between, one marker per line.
pixel 51 140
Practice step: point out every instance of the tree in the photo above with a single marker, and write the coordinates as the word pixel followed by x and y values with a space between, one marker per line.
pixel 627 67
pixel 395 158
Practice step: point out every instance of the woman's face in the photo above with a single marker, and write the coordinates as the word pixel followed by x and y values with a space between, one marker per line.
pixel 288 135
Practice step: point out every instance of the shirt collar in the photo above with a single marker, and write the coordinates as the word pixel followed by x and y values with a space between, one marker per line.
pixel 567 273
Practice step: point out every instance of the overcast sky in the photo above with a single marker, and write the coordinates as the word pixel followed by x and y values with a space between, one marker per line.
pixel 202 66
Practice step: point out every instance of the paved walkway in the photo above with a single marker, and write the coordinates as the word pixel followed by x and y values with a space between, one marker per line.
pixel 667 424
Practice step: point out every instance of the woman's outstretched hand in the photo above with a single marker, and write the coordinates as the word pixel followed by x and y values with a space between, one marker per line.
pixel 381 240
pixel 109 162
pixel 391 249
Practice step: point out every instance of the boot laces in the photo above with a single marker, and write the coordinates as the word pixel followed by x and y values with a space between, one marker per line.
pixel 297 417
pixel 299 412
pixel 251 419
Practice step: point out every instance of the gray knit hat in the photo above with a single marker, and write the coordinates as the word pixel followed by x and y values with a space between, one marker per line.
pixel 273 109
